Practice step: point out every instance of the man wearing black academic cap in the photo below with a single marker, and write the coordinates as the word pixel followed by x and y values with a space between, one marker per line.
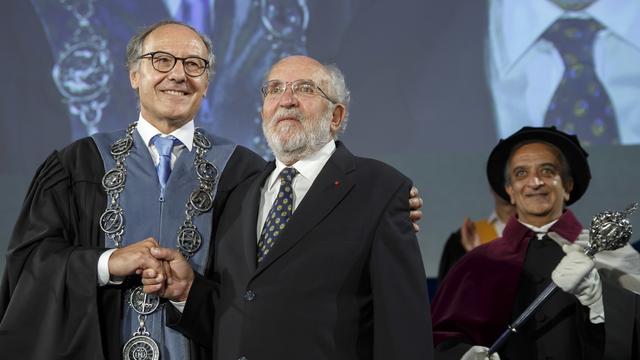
pixel 540 171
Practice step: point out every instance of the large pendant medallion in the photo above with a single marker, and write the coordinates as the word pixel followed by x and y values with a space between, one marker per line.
pixel 141 347
pixel 142 302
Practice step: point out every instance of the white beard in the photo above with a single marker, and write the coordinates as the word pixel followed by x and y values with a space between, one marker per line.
pixel 290 144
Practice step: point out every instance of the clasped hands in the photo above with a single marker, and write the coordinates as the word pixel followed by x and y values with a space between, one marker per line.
pixel 165 272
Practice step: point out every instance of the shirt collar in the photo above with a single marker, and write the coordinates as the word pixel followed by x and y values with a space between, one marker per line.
pixel 528 20
pixel 621 17
pixel 542 229
pixel 515 25
pixel 184 133
pixel 309 167
pixel 567 226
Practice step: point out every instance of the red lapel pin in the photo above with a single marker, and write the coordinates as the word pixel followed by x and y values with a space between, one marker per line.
pixel 337 183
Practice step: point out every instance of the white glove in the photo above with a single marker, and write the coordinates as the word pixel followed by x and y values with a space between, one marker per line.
pixel 479 353
pixel 576 274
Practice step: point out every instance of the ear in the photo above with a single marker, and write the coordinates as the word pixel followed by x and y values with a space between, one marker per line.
pixel 262 116
pixel 134 79
pixel 204 93
pixel 568 188
pixel 338 115
pixel 509 190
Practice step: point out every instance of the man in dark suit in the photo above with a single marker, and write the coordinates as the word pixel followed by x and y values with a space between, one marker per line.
pixel 315 257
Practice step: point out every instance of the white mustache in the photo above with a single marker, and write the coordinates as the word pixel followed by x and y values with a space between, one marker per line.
pixel 287 114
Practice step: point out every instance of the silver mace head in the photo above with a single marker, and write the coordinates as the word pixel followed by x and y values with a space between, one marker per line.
pixel 610 230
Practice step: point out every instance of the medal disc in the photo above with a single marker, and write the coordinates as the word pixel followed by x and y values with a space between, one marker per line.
pixel 189 239
pixel 206 171
pixel 111 221
pixel 141 347
pixel 200 140
pixel 121 147
pixel 201 200
pixel 142 302
pixel 113 180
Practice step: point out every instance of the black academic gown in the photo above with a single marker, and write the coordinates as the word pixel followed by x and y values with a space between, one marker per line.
pixel 50 304
pixel 491 285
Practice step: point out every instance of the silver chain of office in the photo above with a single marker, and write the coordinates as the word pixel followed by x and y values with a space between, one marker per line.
pixel 141 346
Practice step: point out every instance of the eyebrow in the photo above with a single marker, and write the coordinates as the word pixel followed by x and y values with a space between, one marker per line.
pixel 205 57
pixel 547 164
pixel 550 164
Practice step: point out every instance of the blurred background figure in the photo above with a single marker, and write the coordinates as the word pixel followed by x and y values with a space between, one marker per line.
pixel 475 233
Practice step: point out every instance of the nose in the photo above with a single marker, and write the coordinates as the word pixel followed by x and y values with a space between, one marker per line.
pixel 177 73
pixel 288 98
pixel 535 182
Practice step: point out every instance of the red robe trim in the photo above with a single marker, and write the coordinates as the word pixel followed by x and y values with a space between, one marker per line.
pixel 475 301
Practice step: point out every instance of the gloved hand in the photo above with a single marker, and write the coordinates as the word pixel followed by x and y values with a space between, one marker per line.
pixel 576 274
pixel 479 353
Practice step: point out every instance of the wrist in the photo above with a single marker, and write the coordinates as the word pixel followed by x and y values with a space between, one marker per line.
pixel 187 289
pixel 104 272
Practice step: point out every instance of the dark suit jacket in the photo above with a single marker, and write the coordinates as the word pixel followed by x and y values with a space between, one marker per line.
pixel 344 281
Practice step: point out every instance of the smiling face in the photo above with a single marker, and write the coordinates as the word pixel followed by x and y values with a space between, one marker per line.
pixel 296 126
pixel 535 183
pixel 170 100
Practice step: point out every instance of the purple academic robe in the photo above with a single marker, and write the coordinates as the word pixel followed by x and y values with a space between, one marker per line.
pixel 474 304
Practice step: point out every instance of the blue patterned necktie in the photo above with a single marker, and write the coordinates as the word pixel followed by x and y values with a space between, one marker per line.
pixel 580 104
pixel 164 145
pixel 279 214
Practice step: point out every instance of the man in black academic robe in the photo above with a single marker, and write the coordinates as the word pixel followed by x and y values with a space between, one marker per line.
pixel 540 170
pixel 51 306
pixel 50 303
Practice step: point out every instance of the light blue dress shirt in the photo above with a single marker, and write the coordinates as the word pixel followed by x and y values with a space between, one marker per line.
pixel 524 70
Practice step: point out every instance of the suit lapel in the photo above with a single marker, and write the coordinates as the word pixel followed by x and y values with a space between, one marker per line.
pixel 332 184
pixel 249 217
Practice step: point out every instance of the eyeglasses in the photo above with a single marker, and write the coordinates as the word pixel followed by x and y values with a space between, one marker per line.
pixel 305 88
pixel 164 62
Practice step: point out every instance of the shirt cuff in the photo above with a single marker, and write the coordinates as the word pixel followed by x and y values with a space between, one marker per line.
pixel 179 305
pixel 104 277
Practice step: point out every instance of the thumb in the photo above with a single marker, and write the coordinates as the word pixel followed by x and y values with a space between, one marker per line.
pixel 570 248
pixel 165 254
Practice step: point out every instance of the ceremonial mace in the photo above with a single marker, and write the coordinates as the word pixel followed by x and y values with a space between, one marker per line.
pixel 609 230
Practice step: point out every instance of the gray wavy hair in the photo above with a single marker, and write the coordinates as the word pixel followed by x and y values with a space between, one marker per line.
pixel 340 93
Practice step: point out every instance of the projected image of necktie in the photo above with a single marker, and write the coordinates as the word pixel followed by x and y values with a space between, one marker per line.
pixel 580 104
